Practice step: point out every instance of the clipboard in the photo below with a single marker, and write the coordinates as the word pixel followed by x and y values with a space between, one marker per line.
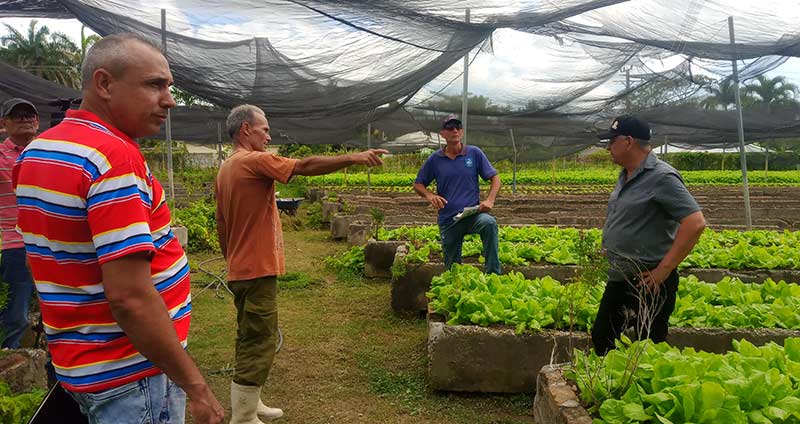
pixel 58 407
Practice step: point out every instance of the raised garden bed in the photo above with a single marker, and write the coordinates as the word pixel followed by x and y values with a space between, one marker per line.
pixel 664 384
pixel 469 358
pixel 23 369
pixel 408 290
pixel 494 333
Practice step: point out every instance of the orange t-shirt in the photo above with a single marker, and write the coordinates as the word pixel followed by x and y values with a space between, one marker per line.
pixel 246 208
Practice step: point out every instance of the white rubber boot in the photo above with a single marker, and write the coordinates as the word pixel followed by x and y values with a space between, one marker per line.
pixel 244 403
pixel 266 413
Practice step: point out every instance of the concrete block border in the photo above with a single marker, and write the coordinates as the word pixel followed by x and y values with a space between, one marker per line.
pixel 23 369
pixel 468 358
pixel 556 401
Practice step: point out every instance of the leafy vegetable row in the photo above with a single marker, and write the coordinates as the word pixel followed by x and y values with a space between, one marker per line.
pixel 592 176
pixel 467 296
pixel 756 249
pixel 643 382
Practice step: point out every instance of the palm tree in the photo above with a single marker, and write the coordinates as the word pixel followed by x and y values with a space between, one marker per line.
pixel 773 92
pixel 87 42
pixel 722 95
pixel 51 56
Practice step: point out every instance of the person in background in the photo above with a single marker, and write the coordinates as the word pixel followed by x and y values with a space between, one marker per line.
pixel 652 224
pixel 21 123
pixel 456 169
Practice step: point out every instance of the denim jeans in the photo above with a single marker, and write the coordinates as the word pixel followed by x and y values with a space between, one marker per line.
pixel 452 235
pixel 151 400
pixel 17 278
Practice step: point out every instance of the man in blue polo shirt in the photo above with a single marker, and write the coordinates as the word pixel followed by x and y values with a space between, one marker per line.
pixel 652 223
pixel 455 169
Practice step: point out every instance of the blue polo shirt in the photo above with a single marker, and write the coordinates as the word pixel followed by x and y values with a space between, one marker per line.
pixel 456 179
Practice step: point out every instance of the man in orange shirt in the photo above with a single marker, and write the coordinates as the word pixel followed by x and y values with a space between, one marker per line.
pixel 251 238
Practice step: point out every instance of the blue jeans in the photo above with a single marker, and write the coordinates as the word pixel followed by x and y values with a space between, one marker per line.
pixel 151 400
pixel 17 278
pixel 453 238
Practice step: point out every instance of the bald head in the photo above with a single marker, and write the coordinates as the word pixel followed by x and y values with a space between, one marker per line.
pixel 112 54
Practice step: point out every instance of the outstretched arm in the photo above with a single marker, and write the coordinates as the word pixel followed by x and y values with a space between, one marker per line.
pixel 319 165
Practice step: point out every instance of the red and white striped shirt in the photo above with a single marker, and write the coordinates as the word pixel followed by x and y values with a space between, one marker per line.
pixel 86 197
pixel 9 152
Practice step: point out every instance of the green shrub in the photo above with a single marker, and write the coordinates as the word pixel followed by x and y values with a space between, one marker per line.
pixel 314 215
pixel 297 187
pixel 697 161
pixel 349 265
pixel 199 218
pixel 20 407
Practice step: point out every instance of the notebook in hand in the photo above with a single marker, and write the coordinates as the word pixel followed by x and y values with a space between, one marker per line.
pixel 468 211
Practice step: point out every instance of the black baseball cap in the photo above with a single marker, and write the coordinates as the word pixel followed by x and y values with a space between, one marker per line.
pixel 451 121
pixel 627 125
pixel 11 104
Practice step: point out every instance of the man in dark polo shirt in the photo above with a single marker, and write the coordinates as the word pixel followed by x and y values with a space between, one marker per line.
pixel 652 223
pixel 455 169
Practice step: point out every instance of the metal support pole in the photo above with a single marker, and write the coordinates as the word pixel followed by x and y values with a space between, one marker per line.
pixel 219 144
pixel 627 90
pixel 168 129
pixel 465 94
pixel 742 155
pixel 514 178
pixel 369 146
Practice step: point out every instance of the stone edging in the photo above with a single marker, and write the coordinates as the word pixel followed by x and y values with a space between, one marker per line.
pixel 23 369
pixel 470 358
pixel 556 402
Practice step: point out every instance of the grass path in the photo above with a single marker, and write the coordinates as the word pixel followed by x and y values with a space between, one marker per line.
pixel 346 358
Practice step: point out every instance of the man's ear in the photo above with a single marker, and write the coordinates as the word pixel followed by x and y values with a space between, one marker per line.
pixel 246 128
pixel 101 80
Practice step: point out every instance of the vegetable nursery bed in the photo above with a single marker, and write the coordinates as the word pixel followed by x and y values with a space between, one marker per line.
pixel 494 333
pixel 408 290
pixel 648 383
pixel 469 358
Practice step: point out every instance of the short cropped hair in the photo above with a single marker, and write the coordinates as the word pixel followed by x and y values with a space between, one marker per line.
pixel 110 53
pixel 239 115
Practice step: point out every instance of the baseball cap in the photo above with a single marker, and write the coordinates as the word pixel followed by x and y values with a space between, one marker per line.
pixel 451 121
pixel 10 104
pixel 627 125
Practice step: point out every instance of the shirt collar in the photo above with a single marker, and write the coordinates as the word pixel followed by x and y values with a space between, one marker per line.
pixel 11 145
pixel 649 162
pixel 89 118
pixel 461 152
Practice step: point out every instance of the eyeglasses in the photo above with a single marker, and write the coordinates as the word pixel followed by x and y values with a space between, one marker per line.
pixel 451 128
pixel 611 141
pixel 23 117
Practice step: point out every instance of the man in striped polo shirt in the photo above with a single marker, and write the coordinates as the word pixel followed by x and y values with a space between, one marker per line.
pixel 113 281
pixel 21 121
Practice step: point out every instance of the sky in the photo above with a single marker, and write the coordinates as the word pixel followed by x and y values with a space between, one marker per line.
pixel 511 72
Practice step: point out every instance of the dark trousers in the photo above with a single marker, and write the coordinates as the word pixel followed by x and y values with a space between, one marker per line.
pixel 257 329
pixel 625 304
pixel 19 283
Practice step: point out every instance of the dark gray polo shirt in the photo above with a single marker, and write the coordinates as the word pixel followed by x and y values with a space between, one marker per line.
pixel 643 216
